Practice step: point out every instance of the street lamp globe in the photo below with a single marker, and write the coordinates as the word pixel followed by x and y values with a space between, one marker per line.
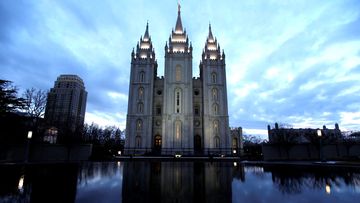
pixel 319 133
pixel 29 135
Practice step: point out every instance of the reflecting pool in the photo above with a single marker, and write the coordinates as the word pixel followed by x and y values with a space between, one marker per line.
pixel 155 181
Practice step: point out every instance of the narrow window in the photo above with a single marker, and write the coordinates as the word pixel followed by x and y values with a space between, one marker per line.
pixel 158 110
pixel 178 101
pixel 177 130
pixel 216 109
pixel 139 125
pixel 142 76
pixel 215 94
pixel 138 141
pixel 140 107
pixel 234 143
pixel 178 73
pixel 141 93
pixel 213 78
pixel 216 142
pixel 216 126
pixel 197 110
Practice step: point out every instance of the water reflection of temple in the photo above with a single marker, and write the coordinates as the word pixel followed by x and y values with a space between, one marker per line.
pixel 179 181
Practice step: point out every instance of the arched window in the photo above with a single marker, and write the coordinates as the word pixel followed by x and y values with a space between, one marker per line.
pixel 138 141
pixel 177 129
pixel 178 73
pixel 216 109
pixel 140 107
pixel 216 126
pixel 215 94
pixel 142 76
pixel 157 141
pixel 216 142
pixel 177 100
pixel 213 77
pixel 141 93
pixel 139 125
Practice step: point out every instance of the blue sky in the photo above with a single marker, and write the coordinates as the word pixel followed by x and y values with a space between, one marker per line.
pixel 295 62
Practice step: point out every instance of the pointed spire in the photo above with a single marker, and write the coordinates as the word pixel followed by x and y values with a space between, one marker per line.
pixel 178 26
pixel 146 35
pixel 210 37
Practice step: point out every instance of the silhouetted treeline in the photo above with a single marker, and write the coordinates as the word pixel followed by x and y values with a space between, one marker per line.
pixel 252 147
pixel 107 141
pixel 18 115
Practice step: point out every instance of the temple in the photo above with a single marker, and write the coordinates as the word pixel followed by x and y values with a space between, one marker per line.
pixel 178 113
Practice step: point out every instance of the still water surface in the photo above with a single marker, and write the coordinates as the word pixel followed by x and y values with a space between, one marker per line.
pixel 177 182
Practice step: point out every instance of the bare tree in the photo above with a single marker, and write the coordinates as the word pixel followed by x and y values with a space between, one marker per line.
pixel 35 102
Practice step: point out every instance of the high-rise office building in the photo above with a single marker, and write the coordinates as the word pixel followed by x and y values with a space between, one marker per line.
pixel 66 104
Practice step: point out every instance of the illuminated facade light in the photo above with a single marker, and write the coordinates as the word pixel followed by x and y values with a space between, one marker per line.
pixel 177 155
pixel 235 164
pixel 29 135
pixel 328 189
pixel 213 57
pixel 319 133
pixel 178 50
pixel 144 46
pixel 21 183
pixel 212 47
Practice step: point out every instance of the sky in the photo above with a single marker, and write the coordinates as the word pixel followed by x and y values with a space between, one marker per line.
pixel 290 61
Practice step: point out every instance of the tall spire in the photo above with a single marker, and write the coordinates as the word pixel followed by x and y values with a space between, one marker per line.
pixel 144 48
pixel 178 27
pixel 212 48
pixel 210 37
pixel 146 35
pixel 178 40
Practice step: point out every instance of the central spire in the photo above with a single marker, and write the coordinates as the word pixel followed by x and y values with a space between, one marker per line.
pixel 178 26
pixel 210 37
pixel 146 35
pixel 178 40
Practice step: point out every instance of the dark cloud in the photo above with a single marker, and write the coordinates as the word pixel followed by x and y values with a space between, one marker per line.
pixel 41 40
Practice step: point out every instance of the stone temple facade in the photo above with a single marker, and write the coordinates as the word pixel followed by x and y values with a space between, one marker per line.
pixel 178 113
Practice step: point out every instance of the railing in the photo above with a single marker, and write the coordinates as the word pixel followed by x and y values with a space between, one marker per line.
pixel 183 151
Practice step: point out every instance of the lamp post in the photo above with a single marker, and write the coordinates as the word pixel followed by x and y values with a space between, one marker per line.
pixel 29 136
pixel 319 134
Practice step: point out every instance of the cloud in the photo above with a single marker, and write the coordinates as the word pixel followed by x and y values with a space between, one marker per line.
pixel 106 119
pixel 290 62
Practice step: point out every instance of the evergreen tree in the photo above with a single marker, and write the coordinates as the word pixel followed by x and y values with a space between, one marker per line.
pixel 9 101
